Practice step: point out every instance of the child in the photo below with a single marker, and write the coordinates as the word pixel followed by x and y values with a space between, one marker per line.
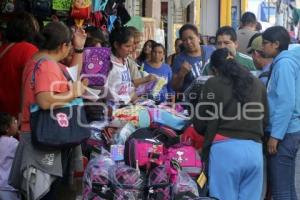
pixel 157 67
pixel 8 147
pixel 119 82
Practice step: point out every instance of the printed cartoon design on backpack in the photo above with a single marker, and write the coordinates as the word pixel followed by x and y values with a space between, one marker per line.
pixel 96 65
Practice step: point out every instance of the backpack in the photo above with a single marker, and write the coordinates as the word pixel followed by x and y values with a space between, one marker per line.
pixel 187 157
pixel 42 8
pixel 127 182
pixel 96 65
pixel 145 148
pixel 96 180
pixel 169 118
pixel 184 187
pixel 159 187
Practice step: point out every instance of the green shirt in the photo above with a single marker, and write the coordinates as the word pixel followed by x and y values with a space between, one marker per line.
pixel 242 59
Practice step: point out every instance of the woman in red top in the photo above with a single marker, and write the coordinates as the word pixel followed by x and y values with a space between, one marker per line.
pixel 14 54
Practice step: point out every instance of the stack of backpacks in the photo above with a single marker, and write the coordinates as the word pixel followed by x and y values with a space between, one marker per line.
pixel 155 166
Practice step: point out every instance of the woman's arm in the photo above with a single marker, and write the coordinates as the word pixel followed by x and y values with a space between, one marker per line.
pixel 178 78
pixel 79 38
pixel 47 100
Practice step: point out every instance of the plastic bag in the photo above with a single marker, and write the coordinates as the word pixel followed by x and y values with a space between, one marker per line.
pixel 96 175
pixel 122 134
pixel 184 187
pixel 127 182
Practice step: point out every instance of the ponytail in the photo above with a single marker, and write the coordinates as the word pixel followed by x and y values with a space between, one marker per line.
pixel 229 68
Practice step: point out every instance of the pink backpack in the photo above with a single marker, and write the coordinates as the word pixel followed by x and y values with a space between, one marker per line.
pixel 96 65
pixel 187 157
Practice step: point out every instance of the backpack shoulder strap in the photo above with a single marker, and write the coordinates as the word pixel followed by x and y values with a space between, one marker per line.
pixel 264 74
pixel 6 49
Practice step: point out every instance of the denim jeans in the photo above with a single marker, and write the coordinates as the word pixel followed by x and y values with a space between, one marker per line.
pixel 282 168
pixel 297 175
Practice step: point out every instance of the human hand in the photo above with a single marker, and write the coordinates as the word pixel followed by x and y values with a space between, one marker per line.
pixel 79 87
pixel 79 37
pixel 185 68
pixel 151 77
pixel 272 145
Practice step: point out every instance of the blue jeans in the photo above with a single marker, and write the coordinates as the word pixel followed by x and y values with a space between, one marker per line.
pixel 281 168
pixel 236 170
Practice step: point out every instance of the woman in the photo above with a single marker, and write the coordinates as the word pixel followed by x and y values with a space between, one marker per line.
pixel 232 113
pixel 119 82
pixel 49 87
pixel 14 54
pixel 146 52
pixel 283 96
pixel 157 67
pixel 189 64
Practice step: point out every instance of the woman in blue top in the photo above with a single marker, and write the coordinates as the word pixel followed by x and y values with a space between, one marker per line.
pixel 157 66
pixel 189 64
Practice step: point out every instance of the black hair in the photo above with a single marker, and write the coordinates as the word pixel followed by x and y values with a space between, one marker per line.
pixel 159 45
pixel 53 35
pixel 22 27
pixel 142 57
pixel 177 39
pixel 94 36
pixel 248 18
pixel 135 31
pixel 229 68
pixel 280 34
pixel 5 122
pixel 227 30
pixel 188 27
pixel 121 36
pixel 258 26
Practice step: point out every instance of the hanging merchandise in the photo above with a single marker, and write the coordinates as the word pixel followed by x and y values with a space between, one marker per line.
pixel 111 22
pixel 62 5
pixel 7 6
pixel 99 5
pixel 99 20
pixel 41 8
pixel 122 13
pixel 266 11
pixel 137 22
pixel 80 11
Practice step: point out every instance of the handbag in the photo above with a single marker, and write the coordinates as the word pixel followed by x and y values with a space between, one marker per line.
pixel 60 127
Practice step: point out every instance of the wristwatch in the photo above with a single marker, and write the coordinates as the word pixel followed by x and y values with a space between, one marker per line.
pixel 78 50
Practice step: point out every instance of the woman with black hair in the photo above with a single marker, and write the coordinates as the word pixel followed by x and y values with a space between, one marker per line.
pixel 146 52
pixel 189 64
pixel 232 113
pixel 119 82
pixel 49 87
pixel 283 96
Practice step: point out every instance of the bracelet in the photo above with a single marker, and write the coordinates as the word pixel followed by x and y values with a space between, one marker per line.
pixel 78 50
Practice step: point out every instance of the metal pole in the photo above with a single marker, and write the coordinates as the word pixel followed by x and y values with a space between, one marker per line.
pixel 170 26
pixel 268 10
